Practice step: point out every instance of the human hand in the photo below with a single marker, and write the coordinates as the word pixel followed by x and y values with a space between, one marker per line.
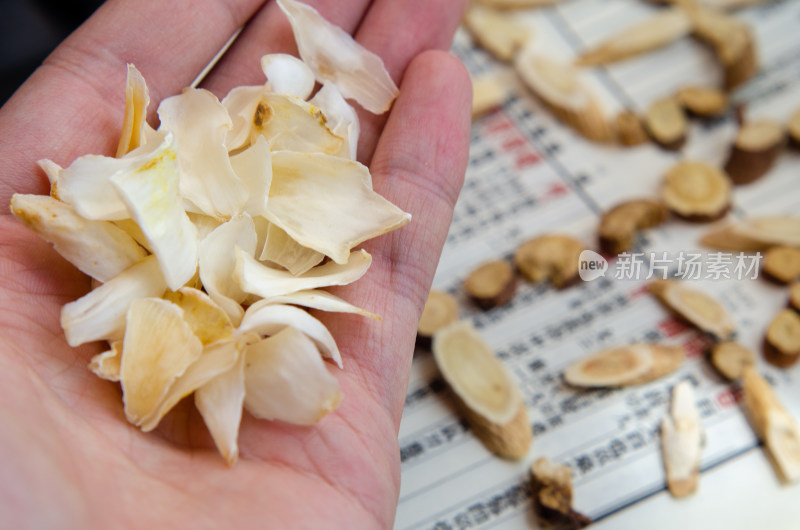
pixel 69 456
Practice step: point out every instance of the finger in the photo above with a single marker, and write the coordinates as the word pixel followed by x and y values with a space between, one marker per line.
pixel 419 165
pixel 398 32
pixel 74 103
pixel 270 32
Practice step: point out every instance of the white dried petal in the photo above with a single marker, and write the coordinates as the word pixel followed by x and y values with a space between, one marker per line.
pixel 220 402
pixel 106 365
pixel 100 314
pixel 339 209
pixel 315 299
pixel 200 124
pixel 151 196
pixel 218 261
pixel 241 103
pixel 215 360
pixel 257 278
pixel 334 56
pixel 52 171
pixel 291 124
pixel 267 320
pixel 288 75
pixel 281 249
pixel 134 123
pixel 207 319
pixel 130 227
pixel 86 183
pixel 342 118
pixel 285 379
pixel 158 348
pixel 98 248
pixel 254 168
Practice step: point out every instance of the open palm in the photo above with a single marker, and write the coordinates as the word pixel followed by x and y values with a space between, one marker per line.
pixel 68 457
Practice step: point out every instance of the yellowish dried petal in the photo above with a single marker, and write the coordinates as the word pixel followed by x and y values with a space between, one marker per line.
pixel 151 196
pixel 285 379
pixel 158 348
pixel 287 75
pixel 98 248
pixel 100 314
pixel 207 319
pixel 134 122
pixel 106 365
pixel 334 56
pixel 315 299
pixel 220 402
pixel 253 166
pixel 341 118
pixel 281 249
pixel 267 320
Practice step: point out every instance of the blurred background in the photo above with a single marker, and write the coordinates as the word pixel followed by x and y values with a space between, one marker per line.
pixel 29 30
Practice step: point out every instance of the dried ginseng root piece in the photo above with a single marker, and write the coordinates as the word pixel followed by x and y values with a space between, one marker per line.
pixel 732 41
pixel 703 102
pixel 681 441
pixel 656 32
pixel 754 151
pixel 552 495
pixel 487 93
pixel 633 364
pixel 794 296
pixel 731 358
pixel 559 86
pixel 773 425
pixel 487 395
pixel 492 284
pixel 794 129
pixel 696 191
pixel 666 123
pixel 619 225
pixel 696 307
pixel 782 264
pixel 549 257
pixel 629 129
pixel 497 32
pixel 441 309
pixel 782 341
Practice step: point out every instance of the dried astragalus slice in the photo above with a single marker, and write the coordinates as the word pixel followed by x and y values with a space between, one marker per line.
pixel 291 124
pixel 487 395
pixel 488 92
pixel 552 495
pixel 551 257
pixel 217 262
pixel 214 361
pixel 264 281
pixel 106 365
pixel 286 379
pixel 134 122
pixel 281 249
pixel 611 367
pixel 681 441
pixel 207 319
pixel 200 124
pixel 98 248
pixel 220 402
pixel 341 118
pixel 696 191
pixel 773 230
pixel 288 75
pixel 100 314
pixel 731 359
pixel 151 196
pixel 497 32
pixel 441 309
pixel 334 56
pixel 309 190
pixel 158 348
pixel 267 320
pixel 619 226
pixel 315 299
pixel 660 30
pixel 694 306
pixel 773 424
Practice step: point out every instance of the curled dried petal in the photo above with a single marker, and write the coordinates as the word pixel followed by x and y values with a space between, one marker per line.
pixel 281 249
pixel 315 299
pixel 288 75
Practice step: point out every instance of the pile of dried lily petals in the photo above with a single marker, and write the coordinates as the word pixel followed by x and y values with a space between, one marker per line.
pixel 208 235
